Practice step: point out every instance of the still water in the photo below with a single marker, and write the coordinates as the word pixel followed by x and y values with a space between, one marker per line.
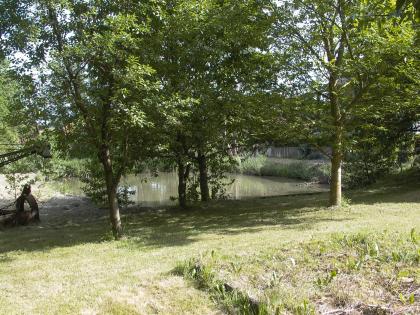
pixel 149 190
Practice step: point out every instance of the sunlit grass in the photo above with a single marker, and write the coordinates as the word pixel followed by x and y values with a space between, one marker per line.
pixel 69 264
pixel 349 272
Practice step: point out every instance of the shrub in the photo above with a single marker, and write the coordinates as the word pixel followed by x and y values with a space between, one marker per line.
pixel 304 170
pixel 66 168
pixel 298 170
pixel 252 165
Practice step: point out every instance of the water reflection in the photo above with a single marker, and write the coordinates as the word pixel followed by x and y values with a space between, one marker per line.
pixel 159 190
pixel 153 190
pixel 149 190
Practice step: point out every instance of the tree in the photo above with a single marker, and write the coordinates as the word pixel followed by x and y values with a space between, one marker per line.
pixel 89 61
pixel 19 124
pixel 214 59
pixel 403 7
pixel 335 56
pixel 7 101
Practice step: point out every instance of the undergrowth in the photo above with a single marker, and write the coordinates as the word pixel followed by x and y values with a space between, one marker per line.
pixel 233 300
pixel 299 169
pixel 364 272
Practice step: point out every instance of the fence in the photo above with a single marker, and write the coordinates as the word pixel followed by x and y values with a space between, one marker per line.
pixel 285 152
pixel 296 153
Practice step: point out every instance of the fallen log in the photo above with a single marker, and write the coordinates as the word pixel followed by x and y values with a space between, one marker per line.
pixel 20 216
pixel 6 219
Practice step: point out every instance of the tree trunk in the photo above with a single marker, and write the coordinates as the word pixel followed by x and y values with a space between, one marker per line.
pixel 111 190
pixel 204 179
pixel 337 154
pixel 337 150
pixel 335 185
pixel 183 173
pixel 114 212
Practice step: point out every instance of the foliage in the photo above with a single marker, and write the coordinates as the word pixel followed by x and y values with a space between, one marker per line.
pixel 252 165
pixel 128 85
pixel 319 172
pixel 98 89
pixel 404 7
pixel 59 168
pixel 18 125
pixel 94 183
pixel 300 169
pixel 16 182
pixel 215 61
pixel 124 192
pixel 376 156
pixel 7 100
pixel 218 179
pixel 340 70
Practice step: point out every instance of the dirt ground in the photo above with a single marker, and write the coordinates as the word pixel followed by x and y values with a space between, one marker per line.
pixel 55 208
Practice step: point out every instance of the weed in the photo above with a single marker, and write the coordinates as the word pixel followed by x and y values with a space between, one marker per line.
pixel 347 257
pixel 236 267
pixel 252 165
pixel 326 280
pixel 231 298
pixel 304 309
pixel 413 236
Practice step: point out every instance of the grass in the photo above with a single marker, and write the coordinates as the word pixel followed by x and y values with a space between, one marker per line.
pixel 70 265
pixel 298 169
pixel 356 272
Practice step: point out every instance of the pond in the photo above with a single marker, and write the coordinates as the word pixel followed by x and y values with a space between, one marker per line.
pixel 149 190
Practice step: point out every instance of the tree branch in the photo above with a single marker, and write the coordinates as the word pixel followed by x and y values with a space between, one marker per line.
pixel 71 77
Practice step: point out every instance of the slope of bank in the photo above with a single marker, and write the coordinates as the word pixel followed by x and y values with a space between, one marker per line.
pixel 308 170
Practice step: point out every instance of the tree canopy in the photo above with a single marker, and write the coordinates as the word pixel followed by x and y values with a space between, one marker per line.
pixel 193 83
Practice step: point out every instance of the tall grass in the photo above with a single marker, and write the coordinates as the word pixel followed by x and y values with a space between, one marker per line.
pixel 251 165
pixel 300 169
pixel 351 271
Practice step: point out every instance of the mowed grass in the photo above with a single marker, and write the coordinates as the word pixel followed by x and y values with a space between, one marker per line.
pixel 71 265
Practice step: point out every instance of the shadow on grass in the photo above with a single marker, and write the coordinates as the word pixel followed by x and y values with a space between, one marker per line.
pixel 397 188
pixel 37 237
pixel 67 223
pixel 177 227
pixel 71 222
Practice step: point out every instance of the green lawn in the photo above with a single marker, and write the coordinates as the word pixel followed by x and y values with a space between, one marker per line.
pixel 68 264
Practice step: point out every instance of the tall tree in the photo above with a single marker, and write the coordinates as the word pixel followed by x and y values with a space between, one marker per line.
pixel 8 89
pixel 20 123
pixel 403 8
pixel 88 58
pixel 335 54
pixel 216 58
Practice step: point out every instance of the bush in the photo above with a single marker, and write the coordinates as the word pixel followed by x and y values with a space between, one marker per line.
pixel 416 162
pixel 252 165
pixel 66 168
pixel 261 165
pixel 298 170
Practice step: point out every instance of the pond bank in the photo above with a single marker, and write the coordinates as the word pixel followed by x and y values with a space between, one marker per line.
pixel 307 170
